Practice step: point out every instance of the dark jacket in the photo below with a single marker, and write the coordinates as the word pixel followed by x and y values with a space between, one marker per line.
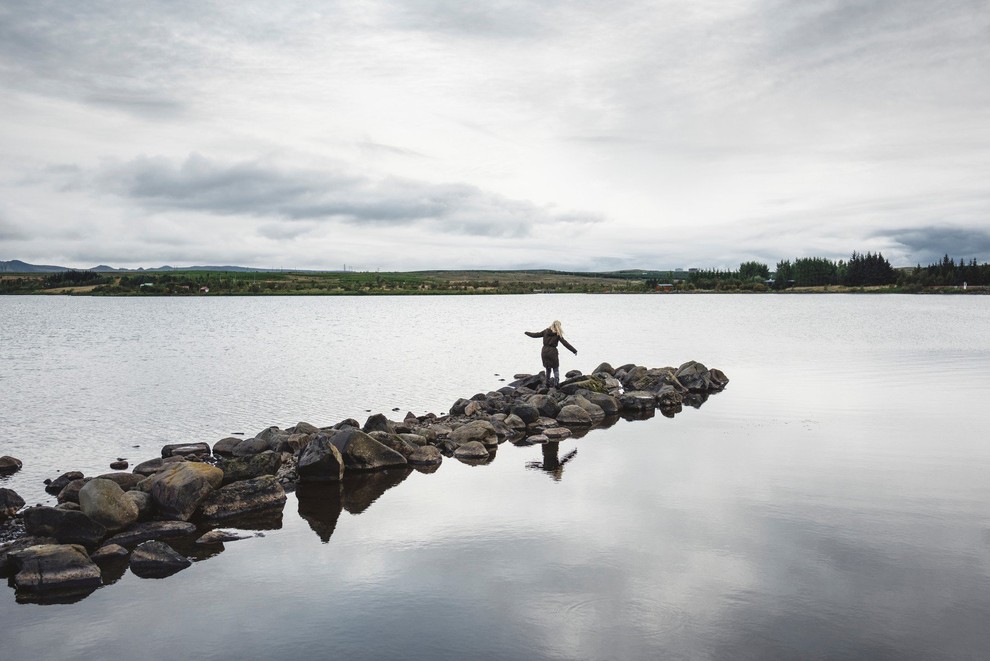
pixel 549 353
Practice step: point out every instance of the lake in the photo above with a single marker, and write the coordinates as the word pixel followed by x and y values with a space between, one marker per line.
pixel 833 502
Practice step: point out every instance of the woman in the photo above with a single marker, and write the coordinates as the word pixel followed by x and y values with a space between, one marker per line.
pixel 551 361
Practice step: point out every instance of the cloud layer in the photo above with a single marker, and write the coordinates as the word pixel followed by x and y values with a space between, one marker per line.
pixel 439 134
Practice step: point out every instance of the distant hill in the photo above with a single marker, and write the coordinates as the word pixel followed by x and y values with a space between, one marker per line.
pixel 17 266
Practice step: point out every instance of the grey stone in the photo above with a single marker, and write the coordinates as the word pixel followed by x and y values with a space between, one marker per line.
pixel 320 461
pixel 236 469
pixel 219 537
pixel 637 400
pixel 572 414
pixel 143 502
pixel 61 568
pixel 125 481
pixel 104 502
pixel 185 449
pixel 178 490
pixel 71 491
pixel 152 466
pixel 65 526
pixel 361 452
pixel 251 446
pixel 109 552
pixel 378 422
pixel 10 502
pixel 143 532
pixel 395 442
pixel 471 450
pixel 9 465
pixel 526 412
pixel 157 560
pixel 480 431
pixel 513 421
pixel 60 482
pixel 225 446
pixel 305 428
pixel 426 455
pixel 246 497
pixel 119 465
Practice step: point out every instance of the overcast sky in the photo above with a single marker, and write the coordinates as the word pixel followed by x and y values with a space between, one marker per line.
pixel 498 134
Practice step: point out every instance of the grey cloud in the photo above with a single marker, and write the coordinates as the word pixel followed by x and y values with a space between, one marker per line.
pixel 10 232
pixel 930 244
pixel 504 18
pixel 263 190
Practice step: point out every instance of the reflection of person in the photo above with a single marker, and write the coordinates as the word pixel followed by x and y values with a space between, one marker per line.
pixel 551 464
pixel 551 361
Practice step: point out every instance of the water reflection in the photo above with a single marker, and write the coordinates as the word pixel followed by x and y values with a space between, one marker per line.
pixel 552 463
pixel 320 504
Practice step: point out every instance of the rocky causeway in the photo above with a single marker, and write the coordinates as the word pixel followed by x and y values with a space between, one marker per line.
pixel 181 507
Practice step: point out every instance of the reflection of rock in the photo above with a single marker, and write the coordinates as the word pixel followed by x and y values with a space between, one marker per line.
pixel 157 560
pixel 360 490
pixel 320 506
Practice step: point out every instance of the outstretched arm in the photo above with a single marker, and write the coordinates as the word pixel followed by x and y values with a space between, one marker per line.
pixel 568 345
pixel 531 334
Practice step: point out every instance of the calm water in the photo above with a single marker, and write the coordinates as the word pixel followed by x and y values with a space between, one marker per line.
pixel 833 502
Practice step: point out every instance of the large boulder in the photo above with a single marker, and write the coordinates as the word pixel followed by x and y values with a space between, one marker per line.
pixel 604 368
pixel 361 452
pixel 245 497
pixel 395 442
pixel 378 422
pixel 55 568
pixel 225 446
pixel 668 397
pixel 177 490
pixel 19 544
pixel 157 560
pixel 66 526
pixel 596 412
pixel 9 465
pixel 481 431
pixel 514 422
pixel 574 415
pixel 320 461
pixel 547 406
pixel 526 412
pixel 236 469
pixel 608 404
pixel 143 532
pixel 185 449
pixel 305 428
pixel 104 502
pixel 10 502
pixel 60 482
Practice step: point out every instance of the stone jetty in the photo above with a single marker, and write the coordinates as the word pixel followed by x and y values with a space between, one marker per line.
pixel 169 510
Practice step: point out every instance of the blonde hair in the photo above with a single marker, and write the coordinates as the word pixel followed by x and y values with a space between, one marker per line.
pixel 555 327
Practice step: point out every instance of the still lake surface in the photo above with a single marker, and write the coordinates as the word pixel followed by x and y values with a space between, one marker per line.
pixel 833 502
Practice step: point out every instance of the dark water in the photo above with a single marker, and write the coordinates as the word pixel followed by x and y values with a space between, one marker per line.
pixel 833 502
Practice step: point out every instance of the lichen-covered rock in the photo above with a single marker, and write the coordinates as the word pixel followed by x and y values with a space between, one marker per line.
pixel 66 526
pixel 104 502
pixel 157 560
pixel 480 431
pixel 361 452
pixel 143 532
pixel 10 502
pixel 320 461
pixel 240 498
pixel 177 490
pixel 236 469
pixel 55 568
pixel 572 414
pixel 425 455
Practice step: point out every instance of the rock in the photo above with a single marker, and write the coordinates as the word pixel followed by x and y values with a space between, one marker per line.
pixel 236 469
pixel 293 443
pixel 395 442
pixel 225 446
pixel 572 414
pixel 513 421
pixel 556 433
pixel 61 568
pixel 536 439
pixel 547 406
pixel 219 537
pixel 178 490
pixel 125 481
pixel 593 410
pixel 19 544
pixel 152 466
pixel 305 428
pixel 604 368
pixel 361 452
pixel 71 491
pixel 246 497
pixel 608 404
pixel 55 486
pixel 378 422
pixel 426 455
pixel 142 501
pixel 637 400
pixel 526 412
pixel 157 560
pixel 109 552
pixel 252 446
pixel 104 502
pixel 185 449
pixel 73 507
pixel 65 526
pixel 668 397
pixel 481 431
pixel 10 465
pixel 143 532
pixel 320 461
pixel 416 439
pixel 592 383
pixel 570 374
pixel 269 434
pixel 718 378
pixel 119 465
pixel 473 409
pixel 471 450
pixel 10 502
pixel 458 407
